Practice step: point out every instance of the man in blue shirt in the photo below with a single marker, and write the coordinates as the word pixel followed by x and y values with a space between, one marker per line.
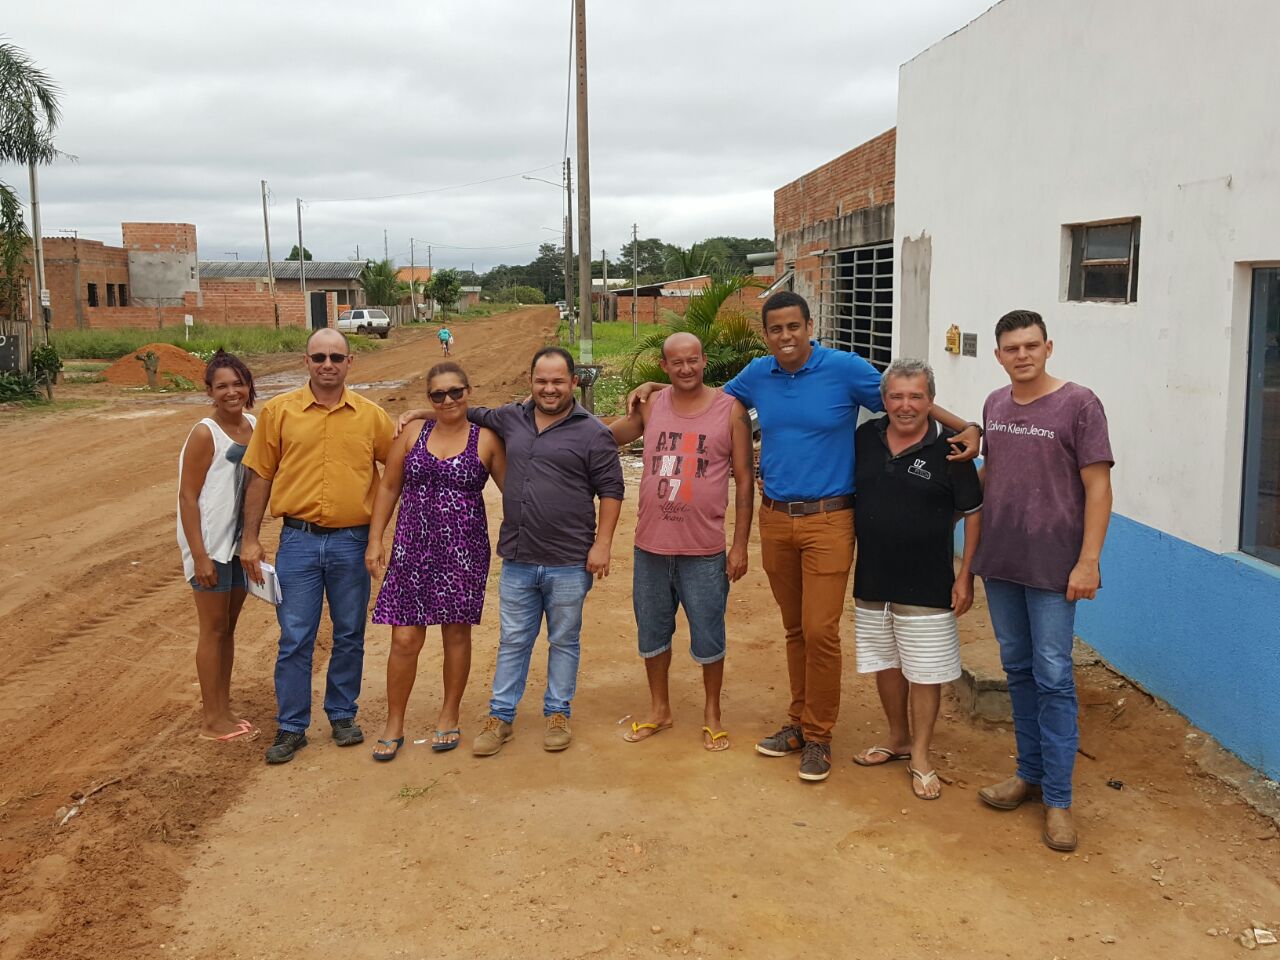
pixel 807 398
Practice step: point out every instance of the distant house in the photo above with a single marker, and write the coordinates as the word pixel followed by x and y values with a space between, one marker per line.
pixel 467 297
pixel 332 285
pixel 653 298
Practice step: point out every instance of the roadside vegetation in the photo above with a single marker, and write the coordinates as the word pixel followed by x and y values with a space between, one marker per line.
pixel 205 339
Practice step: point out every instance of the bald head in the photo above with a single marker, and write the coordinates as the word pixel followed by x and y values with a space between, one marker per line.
pixel 683 360
pixel 680 343
pixel 327 338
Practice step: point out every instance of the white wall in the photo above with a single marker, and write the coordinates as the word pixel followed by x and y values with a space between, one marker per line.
pixel 1048 112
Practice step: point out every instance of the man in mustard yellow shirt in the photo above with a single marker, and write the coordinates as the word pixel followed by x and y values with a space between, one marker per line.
pixel 312 457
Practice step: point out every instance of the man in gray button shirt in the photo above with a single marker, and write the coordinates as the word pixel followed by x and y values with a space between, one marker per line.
pixel 559 460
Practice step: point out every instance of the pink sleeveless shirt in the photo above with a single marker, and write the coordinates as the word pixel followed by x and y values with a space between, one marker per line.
pixel 685 487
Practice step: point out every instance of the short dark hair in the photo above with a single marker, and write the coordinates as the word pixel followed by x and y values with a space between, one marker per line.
pixel 345 341
pixel 447 366
pixel 221 360
pixel 782 299
pixel 1019 320
pixel 560 352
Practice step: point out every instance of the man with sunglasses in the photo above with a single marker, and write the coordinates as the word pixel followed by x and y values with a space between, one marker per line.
pixel 313 458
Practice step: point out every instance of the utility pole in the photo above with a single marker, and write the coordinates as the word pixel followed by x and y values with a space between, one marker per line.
pixel 385 254
pixel 635 282
pixel 568 248
pixel 37 242
pixel 584 195
pixel 302 268
pixel 266 234
pixel 413 282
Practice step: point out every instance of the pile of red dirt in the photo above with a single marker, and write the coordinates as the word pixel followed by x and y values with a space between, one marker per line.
pixel 128 370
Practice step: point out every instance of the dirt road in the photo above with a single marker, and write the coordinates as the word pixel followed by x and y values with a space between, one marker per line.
pixel 607 850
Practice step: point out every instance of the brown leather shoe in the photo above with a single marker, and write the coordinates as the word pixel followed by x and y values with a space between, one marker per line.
pixel 1059 832
pixel 1008 794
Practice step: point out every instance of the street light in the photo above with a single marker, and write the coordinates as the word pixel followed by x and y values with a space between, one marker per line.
pixel 558 186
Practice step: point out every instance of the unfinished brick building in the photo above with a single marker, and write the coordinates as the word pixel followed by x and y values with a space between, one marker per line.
pixel 833 232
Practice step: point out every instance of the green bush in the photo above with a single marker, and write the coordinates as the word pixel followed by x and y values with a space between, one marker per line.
pixel 520 294
pixel 19 388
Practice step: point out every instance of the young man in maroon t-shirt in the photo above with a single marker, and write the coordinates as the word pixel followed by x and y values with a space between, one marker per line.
pixel 1047 501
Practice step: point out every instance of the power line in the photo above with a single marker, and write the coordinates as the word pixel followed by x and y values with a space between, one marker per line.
pixel 454 186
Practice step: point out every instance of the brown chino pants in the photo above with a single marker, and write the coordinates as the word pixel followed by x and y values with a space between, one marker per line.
pixel 807 560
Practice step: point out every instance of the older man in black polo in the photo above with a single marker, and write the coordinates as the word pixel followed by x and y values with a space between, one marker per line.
pixel 560 459
pixel 906 593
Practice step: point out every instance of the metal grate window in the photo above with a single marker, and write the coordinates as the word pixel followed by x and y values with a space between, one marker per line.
pixel 857 302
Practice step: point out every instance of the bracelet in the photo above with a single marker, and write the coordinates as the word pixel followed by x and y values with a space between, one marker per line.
pixel 981 432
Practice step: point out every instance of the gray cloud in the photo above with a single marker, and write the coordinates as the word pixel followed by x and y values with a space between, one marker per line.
pixel 698 112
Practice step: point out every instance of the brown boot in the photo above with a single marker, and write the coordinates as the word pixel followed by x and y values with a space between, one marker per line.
pixel 1059 832
pixel 1008 794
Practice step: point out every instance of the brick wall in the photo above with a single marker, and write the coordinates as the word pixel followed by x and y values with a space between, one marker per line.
pixel 99 265
pixel 649 309
pixel 175 237
pixel 863 177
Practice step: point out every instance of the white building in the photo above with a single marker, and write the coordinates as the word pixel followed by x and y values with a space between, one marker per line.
pixel 1115 165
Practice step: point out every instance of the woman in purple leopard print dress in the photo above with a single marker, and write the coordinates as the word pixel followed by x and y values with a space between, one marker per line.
pixel 440 558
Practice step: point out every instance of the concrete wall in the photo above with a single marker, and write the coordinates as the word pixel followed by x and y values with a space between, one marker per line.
pixel 1044 113
pixel 162 261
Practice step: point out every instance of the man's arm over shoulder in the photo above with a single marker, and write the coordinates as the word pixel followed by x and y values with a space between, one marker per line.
pixel 630 428
pixel 863 380
pixel 494 418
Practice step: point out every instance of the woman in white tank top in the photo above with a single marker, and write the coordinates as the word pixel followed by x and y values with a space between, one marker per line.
pixel 210 497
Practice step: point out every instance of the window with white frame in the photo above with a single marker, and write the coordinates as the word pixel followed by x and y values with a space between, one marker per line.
pixel 1103 262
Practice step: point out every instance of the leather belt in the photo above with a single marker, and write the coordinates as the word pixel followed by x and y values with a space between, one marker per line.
pixel 318 530
pixel 805 508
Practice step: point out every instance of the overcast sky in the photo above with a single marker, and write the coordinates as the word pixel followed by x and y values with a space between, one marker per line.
pixel 699 111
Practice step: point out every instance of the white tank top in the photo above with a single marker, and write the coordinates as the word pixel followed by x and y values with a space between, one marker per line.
pixel 221 498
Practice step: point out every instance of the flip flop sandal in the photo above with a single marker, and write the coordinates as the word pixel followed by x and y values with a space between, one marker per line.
pixel 444 746
pixel 398 742
pixel 245 730
pixel 925 780
pixel 889 757
pixel 635 736
pixel 712 747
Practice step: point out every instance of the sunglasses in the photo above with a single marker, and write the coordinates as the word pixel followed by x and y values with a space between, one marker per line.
pixel 321 357
pixel 453 393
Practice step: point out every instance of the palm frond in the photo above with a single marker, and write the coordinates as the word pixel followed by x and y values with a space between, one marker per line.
pixel 29 109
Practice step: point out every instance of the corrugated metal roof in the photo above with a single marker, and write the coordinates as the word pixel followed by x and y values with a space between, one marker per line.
pixel 284 269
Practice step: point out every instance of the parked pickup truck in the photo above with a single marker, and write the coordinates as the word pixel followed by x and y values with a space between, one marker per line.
pixel 365 320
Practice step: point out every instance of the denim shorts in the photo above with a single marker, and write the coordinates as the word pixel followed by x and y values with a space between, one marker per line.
pixel 230 577
pixel 699 584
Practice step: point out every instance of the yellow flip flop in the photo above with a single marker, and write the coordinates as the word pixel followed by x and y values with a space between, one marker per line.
pixel 715 746
pixel 635 736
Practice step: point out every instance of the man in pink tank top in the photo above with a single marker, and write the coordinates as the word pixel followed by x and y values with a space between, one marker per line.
pixel 693 435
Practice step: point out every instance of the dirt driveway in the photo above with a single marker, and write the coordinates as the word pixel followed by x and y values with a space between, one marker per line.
pixel 607 850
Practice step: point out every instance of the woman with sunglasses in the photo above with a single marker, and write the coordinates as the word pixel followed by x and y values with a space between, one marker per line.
pixel 439 565
pixel 211 484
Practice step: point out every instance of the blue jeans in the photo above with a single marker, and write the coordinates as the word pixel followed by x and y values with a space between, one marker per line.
pixel 527 592
pixel 1034 629
pixel 312 567
pixel 663 582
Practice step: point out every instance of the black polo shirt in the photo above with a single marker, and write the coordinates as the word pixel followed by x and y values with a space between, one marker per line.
pixel 906 516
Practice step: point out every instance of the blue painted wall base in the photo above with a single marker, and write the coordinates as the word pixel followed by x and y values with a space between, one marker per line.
pixel 1200 630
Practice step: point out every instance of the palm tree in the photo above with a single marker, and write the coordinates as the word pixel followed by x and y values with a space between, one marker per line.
pixel 29 113
pixel 381 285
pixel 693 262
pixel 731 338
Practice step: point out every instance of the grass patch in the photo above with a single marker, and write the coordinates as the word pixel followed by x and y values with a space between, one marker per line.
pixel 13 411
pixel 88 377
pixel 409 794
pixel 611 345
pixel 83 366
pixel 205 339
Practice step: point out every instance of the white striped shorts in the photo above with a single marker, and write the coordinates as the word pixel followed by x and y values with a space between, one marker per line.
pixel 922 641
